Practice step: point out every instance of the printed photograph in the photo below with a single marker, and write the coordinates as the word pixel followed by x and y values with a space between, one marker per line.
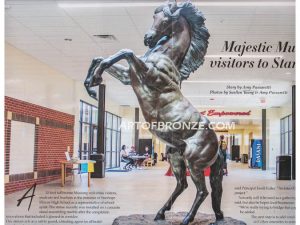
pixel 149 112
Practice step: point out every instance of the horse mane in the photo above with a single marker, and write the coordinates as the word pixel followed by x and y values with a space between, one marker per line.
pixel 194 57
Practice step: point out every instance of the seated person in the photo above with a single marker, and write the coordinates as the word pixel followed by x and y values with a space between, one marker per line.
pixel 125 158
pixel 148 154
pixel 132 151
pixel 155 158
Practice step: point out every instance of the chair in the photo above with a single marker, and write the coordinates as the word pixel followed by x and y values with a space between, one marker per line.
pixel 72 171
pixel 163 157
pixel 148 163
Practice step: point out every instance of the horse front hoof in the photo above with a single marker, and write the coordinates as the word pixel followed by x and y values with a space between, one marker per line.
pixel 98 59
pixel 187 220
pixel 219 216
pixel 159 216
pixel 92 93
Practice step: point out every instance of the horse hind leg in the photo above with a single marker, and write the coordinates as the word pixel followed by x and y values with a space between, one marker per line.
pixel 216 177
pixel 179 169
pixel 197 175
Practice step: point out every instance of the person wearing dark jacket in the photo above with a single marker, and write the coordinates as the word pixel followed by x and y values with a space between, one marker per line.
pixel 223 148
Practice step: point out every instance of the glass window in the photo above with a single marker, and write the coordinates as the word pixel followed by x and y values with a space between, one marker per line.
pixel 86 112
pixel 94 147
pixel 94 116
pixel 108 120
pixel 286 142
pixel 108 160
pixel 114 141
pixel 119 123
pixel 118 148
pixel 286 124
pixel 290 143
pixel 108 148
pixel 113 159
pixel 286 147
pixel 88 134
pixel 85 141
pixel 115 123
pixel 108 140
pixel 282 144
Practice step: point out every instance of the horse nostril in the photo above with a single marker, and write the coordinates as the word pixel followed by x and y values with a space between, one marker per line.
pixel 147 40
pixel 148 37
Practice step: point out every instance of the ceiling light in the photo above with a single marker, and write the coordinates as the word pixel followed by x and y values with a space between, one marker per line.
pixel 244 56
pixel 65 4
pixel 105 36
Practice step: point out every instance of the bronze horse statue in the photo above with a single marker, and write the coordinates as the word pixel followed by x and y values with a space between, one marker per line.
pixel 177 40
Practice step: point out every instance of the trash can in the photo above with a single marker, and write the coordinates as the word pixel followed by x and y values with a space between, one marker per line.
pixel 244 158
pixel 235 152
pixel 283 167
pixel 99 166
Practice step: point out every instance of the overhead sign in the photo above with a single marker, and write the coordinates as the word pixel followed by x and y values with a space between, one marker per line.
pixel 213 112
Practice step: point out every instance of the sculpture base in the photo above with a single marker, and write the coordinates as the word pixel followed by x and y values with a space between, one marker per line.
pixel 173 219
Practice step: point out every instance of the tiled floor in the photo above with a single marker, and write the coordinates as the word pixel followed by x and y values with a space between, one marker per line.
pixel 145 191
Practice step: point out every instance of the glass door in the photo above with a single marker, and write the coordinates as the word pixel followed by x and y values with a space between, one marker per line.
pixel 94 139
pixel 88 135
pixel 88 130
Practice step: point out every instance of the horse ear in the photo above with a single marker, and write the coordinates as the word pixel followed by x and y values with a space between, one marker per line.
pixel 176 14
pixel 173 6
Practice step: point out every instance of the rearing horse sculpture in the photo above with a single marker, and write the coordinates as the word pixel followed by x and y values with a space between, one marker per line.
pixel 177 44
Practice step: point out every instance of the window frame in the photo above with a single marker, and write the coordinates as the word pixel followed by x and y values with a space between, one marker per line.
pixel 92 125
pixel 286 130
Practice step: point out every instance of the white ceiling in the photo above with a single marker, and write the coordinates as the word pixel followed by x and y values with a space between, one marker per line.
pixel 39 28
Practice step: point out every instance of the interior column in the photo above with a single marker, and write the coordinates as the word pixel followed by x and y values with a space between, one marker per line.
pixel 101 131
pixel 136 131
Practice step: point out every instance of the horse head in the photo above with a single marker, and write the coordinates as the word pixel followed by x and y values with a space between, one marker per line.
pixel 170 18
pixel 165 19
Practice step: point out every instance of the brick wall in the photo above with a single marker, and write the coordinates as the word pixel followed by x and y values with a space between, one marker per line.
pixel 54 131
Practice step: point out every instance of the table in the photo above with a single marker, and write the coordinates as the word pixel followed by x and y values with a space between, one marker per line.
pixel 138 159
pixel 64 171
